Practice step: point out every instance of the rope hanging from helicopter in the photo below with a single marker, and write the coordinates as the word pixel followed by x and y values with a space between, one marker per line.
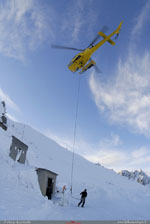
pixel 82 61
pixel 74 135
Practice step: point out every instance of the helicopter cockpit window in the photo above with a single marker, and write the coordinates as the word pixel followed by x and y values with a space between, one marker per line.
pixel 79 56
pixel 91 47
pixel 74 59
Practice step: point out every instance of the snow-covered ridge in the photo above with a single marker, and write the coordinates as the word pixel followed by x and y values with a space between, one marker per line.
pixel 137 175
pixel 110 196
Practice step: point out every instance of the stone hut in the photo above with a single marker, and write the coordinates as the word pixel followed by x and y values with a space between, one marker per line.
pixel 47 182
pixel 18 150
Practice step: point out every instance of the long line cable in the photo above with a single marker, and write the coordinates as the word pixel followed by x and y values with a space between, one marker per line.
pixel 74 136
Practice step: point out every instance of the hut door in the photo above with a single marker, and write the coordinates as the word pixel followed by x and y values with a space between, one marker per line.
pixel 18 155
pixel 49 190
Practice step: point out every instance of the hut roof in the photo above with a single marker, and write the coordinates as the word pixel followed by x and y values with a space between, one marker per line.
pixel 46 170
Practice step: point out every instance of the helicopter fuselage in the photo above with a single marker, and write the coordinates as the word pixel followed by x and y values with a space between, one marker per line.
pixel 80 60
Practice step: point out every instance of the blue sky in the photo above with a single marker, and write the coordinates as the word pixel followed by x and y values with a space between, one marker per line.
pixel 113 125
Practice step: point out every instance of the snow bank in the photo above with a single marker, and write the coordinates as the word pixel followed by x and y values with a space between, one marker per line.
pixel 110 196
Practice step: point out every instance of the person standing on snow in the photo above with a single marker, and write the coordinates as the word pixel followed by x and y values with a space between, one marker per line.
pixel 64 189
pixel 83 196
pixel 63 194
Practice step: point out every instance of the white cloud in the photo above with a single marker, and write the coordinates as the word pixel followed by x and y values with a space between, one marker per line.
pixel 24 25
pixel 9 102
pixel 81 146
pixel 109 158
pixel 126 98
pixel 81 16
pixel 119 160
pixel 141 20
pixel 107 152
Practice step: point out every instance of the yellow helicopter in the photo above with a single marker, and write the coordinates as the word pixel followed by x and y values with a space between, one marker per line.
pixel 83 61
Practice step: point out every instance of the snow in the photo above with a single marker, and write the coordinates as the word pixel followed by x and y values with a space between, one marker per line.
pixel 110 196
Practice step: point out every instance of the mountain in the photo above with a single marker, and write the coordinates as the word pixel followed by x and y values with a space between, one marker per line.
pixel 137 175
pixel 110 196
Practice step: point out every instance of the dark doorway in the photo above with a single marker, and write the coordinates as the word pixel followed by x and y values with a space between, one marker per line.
pixel 49 189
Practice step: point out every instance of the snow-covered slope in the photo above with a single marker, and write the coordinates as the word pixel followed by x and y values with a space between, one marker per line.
pixel 138 175
pixel 110 196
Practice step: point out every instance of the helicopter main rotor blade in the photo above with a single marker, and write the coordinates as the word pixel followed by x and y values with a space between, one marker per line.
pixel 104 29
pixel 97 69
pixel 95 39
pixel 66 48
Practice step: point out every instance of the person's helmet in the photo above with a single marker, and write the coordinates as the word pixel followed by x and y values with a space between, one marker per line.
pixel 85 189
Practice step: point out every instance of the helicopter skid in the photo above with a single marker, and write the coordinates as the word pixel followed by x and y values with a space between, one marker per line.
pixel 89 65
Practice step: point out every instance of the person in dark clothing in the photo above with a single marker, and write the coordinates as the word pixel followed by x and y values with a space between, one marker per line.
pixel 83 196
